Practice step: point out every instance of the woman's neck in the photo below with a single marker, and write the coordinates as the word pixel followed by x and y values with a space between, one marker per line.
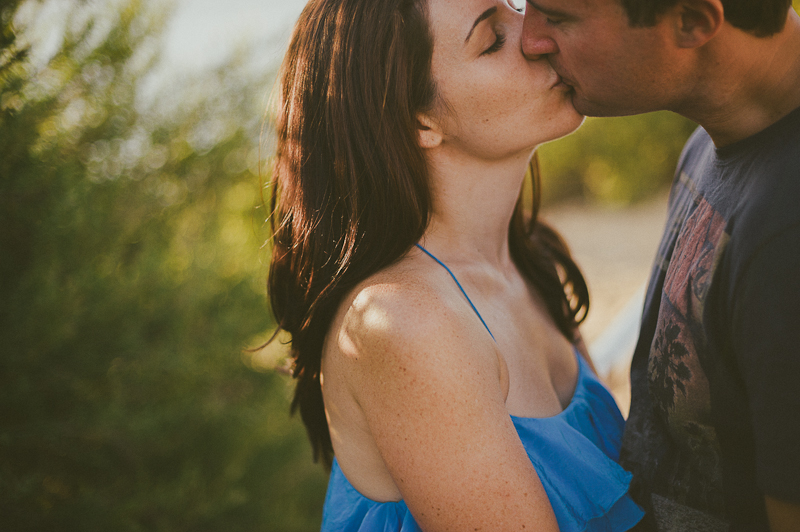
pixel 473 201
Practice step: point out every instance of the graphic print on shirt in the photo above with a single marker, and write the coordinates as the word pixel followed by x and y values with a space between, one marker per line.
pixel 677 381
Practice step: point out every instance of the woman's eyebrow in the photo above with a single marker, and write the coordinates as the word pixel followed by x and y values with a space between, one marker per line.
pixel 483 16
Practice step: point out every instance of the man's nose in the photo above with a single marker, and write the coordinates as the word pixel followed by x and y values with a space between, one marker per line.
pixel 536 40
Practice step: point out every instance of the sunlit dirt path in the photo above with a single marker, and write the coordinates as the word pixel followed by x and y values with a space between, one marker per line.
pixel 615 248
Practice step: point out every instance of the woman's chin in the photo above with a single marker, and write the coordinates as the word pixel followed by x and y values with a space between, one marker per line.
pixel 572 125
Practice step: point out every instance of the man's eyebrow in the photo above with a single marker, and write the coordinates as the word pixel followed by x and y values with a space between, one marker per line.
pixel 545 10
pixel 483 16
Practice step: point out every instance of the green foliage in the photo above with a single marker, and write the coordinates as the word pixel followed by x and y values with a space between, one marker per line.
pixel 131 283
pixel 10 54
pixel 615 160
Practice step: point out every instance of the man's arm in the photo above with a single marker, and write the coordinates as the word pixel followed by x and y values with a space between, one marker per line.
pixel 767 337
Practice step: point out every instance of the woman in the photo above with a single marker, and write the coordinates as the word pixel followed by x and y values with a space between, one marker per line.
pixel 434 325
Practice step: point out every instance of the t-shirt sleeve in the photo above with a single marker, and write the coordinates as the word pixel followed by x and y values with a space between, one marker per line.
pixel 766 331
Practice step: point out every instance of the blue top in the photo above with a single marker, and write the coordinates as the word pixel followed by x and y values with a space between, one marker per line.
pixel 574 453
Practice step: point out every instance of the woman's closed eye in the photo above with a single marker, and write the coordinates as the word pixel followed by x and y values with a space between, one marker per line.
pixel 500 40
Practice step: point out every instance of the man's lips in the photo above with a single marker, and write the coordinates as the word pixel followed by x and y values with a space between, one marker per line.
pixel 560 79
pixel 561 83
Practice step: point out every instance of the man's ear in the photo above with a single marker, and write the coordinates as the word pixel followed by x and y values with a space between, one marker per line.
pixel 429 135
pixel 697 21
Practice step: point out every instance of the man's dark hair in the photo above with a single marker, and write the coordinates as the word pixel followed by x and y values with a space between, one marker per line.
pixel 762 18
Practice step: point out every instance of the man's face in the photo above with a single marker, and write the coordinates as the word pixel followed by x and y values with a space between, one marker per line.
pixel 613 68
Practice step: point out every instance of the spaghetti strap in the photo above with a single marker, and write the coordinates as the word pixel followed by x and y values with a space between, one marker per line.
pixel 443 265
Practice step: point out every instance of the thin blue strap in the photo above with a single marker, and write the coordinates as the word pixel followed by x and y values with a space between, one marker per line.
pixel 443 265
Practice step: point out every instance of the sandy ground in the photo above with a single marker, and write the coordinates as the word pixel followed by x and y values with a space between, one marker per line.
pixel 615 249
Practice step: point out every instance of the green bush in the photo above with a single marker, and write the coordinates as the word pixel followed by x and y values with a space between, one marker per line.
pixel 615 160
pixel 132 282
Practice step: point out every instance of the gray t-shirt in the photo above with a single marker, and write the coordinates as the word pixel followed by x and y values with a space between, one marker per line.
pixel 715 413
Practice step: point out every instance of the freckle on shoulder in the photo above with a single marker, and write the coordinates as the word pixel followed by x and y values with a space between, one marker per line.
pixel 388 309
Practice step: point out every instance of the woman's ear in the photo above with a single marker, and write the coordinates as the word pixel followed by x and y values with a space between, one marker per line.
pixel 697 21
pixel 429 135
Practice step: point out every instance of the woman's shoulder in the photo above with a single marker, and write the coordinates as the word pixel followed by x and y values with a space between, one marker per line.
pixel 407 314
pixel 400 305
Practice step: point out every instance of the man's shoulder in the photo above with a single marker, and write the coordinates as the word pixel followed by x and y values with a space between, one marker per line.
pixel 699 144
pixel 754 184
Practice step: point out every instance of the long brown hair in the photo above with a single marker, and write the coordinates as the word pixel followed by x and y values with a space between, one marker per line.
pixel 350 192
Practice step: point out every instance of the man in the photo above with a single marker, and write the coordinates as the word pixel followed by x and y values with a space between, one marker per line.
pixel 713 437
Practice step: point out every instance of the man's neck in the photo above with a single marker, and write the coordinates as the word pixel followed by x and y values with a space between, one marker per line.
pixel 749 84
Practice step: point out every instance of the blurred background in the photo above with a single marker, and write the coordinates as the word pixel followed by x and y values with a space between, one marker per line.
pixel 134 147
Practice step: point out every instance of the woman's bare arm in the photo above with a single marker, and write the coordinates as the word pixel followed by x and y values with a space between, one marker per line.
pixel 430 390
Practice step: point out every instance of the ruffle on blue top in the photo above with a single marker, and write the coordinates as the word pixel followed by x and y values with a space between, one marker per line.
pixel 575 454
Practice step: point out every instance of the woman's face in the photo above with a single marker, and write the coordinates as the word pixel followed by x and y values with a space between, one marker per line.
pixel 498 103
